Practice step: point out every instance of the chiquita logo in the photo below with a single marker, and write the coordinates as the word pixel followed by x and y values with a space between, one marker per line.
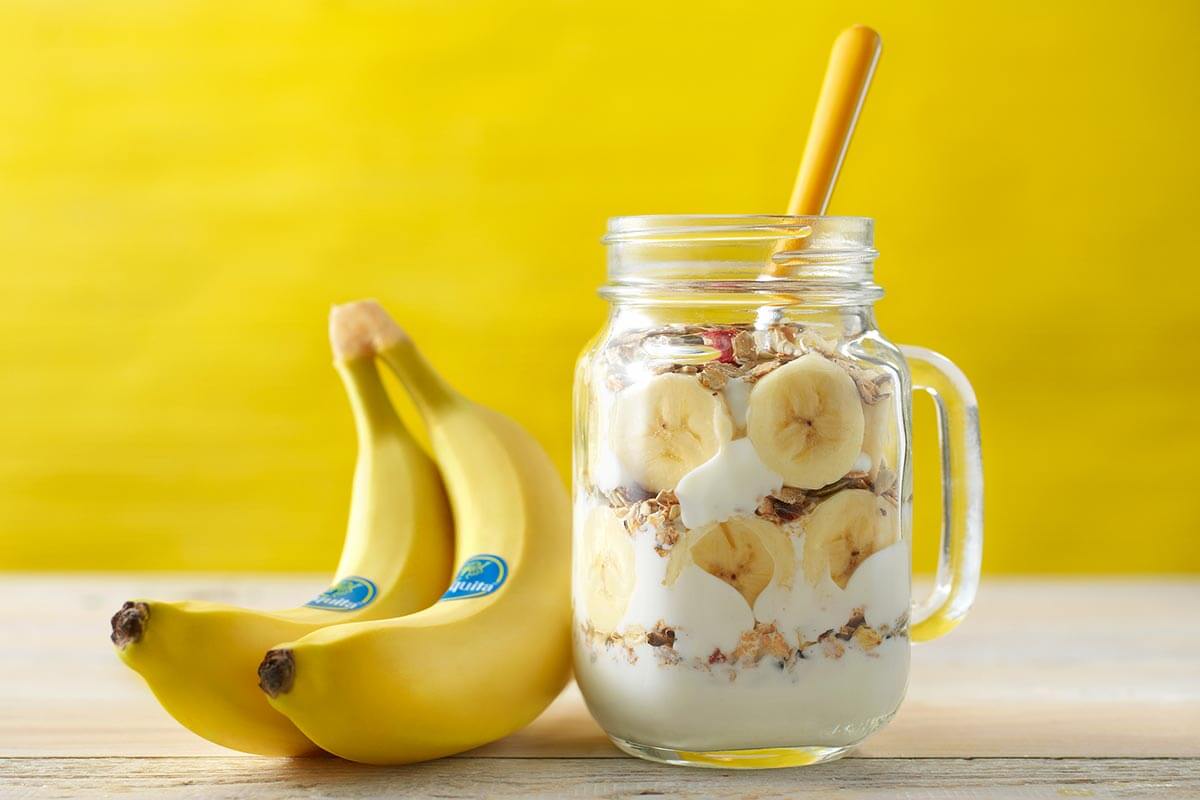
pixel 480 575
pixel 348 594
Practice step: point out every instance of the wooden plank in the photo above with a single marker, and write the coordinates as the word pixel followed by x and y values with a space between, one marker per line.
pixel 929 779
pixel 1043 667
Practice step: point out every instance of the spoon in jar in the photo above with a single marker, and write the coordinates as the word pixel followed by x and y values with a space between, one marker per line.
pixel 847 77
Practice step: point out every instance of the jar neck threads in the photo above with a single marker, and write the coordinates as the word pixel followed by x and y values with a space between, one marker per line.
pixel 706 260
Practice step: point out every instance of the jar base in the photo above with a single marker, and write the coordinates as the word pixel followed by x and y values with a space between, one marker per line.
pixel 754 758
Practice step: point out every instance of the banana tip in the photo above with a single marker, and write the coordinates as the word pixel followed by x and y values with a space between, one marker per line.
pixel 277 672
pixel 129 623
pixel 362 328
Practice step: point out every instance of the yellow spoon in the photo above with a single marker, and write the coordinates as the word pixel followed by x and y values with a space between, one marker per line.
pixel 847 78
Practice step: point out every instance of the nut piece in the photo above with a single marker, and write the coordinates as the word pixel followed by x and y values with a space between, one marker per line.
pixel 764 640
pixel 856 621
pixel 744 349
pixel 661 513
pixel 831 646
pixel 661 636
pixel 713 378
pixel 868 639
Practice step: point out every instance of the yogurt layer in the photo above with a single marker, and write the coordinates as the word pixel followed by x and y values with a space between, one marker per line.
pixel 705 612
pixel 729 484
pixel 880 587
pixel 821 702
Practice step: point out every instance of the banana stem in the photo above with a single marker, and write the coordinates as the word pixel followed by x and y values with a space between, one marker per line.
pixel 369 401
pixel 129 623
pixel 427 390
pixel 362 321
pixel 352 329
pixel 277 672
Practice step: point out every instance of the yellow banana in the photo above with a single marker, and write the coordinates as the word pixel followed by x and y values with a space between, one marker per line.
pixel 199 658
pixel 495 650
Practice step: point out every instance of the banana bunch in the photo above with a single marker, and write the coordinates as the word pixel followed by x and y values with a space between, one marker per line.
pixel 495 650
pixel 200 658
pixel 388 665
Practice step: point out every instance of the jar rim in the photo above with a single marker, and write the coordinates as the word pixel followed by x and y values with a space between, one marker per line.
pixel 700 257
pixel 822 232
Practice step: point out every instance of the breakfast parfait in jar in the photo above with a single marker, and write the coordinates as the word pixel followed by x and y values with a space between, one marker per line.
pixel 742 588
pixel 742 576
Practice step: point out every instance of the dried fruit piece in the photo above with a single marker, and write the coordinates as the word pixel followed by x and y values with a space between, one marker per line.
pixel 721 339
pixel 781 511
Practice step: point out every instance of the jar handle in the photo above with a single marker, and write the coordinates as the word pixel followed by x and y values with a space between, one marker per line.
pixel 961 549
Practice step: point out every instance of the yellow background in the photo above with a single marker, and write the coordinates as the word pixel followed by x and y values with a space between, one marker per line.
pixel 186 186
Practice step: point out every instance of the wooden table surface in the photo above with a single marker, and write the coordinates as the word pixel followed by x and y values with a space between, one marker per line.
pixel 1052 688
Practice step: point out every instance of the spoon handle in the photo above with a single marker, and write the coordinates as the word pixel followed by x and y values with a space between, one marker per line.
pixel 847 77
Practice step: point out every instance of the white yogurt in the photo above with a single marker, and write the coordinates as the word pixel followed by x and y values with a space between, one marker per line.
pixel 729 484
pixel 880 587
pixel 705 612
pixel 816 700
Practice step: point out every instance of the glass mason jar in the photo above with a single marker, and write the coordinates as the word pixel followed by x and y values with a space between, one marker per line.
pixel 742 490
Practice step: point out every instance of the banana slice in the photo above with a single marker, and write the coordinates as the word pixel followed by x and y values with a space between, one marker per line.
pixel 879 434
pixel 806 421
pixel 592 441
pixel 745 552
pixel 665 427
pixel 843 531
pixel 610 571
pixel 888 532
